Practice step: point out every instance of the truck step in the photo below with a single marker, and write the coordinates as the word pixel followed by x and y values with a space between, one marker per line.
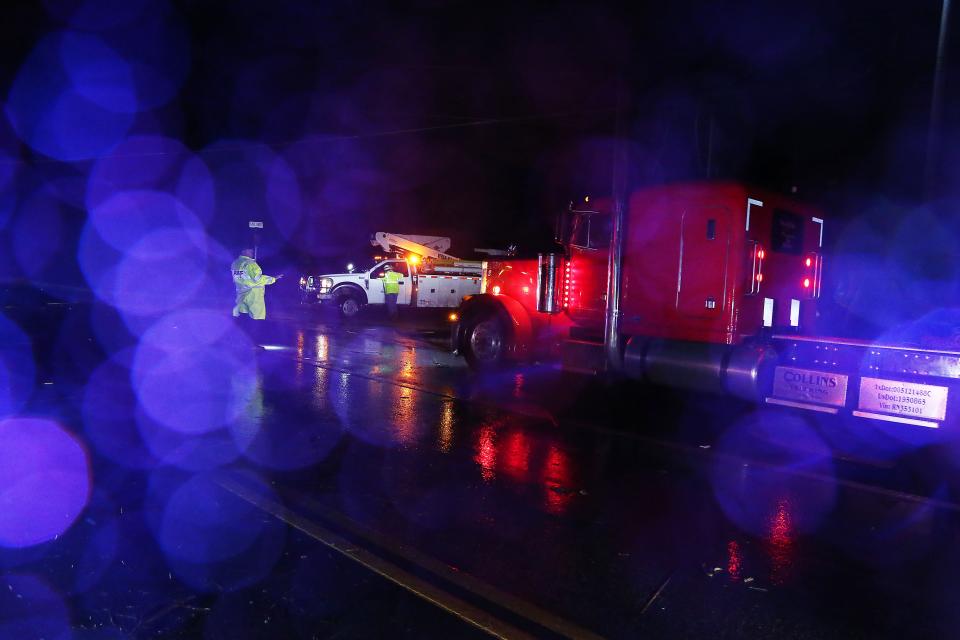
pixel 583 356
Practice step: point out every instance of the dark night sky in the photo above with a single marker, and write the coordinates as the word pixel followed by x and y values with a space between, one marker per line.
pixel 384 111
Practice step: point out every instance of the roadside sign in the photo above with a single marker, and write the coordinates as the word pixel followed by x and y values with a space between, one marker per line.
pixel 256 224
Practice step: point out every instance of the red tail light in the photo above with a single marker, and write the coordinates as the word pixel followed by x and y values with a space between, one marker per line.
pixel 812 267
pixel 755 265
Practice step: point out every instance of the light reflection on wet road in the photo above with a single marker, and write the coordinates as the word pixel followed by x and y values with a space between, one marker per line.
pixel 627 512
pixel 479 472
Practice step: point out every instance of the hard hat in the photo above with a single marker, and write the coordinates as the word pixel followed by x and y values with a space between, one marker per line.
pixel 388 267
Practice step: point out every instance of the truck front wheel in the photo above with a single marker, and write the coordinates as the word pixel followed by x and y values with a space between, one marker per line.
pixel 349 306
pixel 484 342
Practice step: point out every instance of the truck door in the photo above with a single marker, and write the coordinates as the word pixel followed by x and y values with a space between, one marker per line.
pixel 704 248
pixel 375 282
pixel 406 283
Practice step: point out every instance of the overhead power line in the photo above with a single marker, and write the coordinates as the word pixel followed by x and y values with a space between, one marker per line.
pixel 322 139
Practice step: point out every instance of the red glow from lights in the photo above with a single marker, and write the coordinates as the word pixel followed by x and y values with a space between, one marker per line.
pixel 809 262
pixel 734 561
pixel 806 283
pixel 486 452
pixel 759 277
pixel 781 543
pixel 557 479
pixel 516 455
pixel 760 253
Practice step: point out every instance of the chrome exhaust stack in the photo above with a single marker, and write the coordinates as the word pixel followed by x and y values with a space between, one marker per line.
pixel 548 283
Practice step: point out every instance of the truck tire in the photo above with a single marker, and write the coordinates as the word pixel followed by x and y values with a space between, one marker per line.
pixel 348 305
pixel 484 342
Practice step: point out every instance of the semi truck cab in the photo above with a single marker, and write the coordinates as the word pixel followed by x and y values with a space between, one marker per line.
pixel 706 286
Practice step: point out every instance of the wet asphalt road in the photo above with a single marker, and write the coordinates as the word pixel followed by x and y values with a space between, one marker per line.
pixel 365 484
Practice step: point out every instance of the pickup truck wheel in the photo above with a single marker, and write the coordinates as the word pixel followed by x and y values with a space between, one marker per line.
pixel 484 342
pixel 349 306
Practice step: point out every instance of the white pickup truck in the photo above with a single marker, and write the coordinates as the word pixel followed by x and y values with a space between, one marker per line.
pixel 429 277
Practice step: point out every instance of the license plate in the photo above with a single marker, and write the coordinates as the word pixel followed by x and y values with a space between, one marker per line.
pixel 909 399
pixel 806 385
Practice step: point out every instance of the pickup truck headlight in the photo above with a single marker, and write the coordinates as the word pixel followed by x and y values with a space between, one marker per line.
pixel 325 284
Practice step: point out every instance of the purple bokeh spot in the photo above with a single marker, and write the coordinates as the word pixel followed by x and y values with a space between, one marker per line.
pixel 252 182
pixel 95 15
pixel 157 164
pixel 44 481
pixel 109 404
pixel 32 609
pixel 200 523
pixel 157 47
pixel 192 371
pixel 162 271
pixel 188 451
pixel 787 449
pixel 98 73
pixel 147 34
pixel 98 262
pixel 214 539
pixel 195 188
pixel 38 234
pixel 98 554
pixel 16 367
pixel 55 117
pixel 9 166
pixel 145 253
pixel 124 218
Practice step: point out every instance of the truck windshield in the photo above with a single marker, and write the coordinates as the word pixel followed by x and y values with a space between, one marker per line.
pixel 399 266
pixel 591 230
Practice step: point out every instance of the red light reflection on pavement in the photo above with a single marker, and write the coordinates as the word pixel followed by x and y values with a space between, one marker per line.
pixel 557 479
pixel 734 561
pixel 518 385
pixel 516 454
pixel 781 542
pixel 486 452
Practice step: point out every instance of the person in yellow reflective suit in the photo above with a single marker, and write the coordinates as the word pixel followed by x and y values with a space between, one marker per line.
pixel 391 289
pixel 250 282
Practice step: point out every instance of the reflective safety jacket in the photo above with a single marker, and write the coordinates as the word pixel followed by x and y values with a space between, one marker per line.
pixel 249 281
pixel 391 282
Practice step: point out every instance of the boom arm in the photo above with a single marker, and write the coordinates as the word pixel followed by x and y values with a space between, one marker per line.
pixel 426 246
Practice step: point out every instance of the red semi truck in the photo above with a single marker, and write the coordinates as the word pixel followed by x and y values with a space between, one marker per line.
pixel 712 287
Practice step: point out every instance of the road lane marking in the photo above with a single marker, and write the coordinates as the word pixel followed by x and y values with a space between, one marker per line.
pixel 475 586
pixel 417 586
pixel 449 603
